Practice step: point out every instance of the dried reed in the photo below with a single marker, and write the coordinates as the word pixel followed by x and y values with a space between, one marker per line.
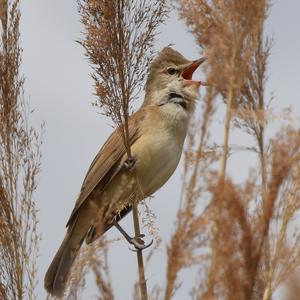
pixel 19 167
pixel 246 228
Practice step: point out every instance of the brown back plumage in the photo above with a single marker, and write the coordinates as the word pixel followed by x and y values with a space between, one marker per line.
pixel 105 161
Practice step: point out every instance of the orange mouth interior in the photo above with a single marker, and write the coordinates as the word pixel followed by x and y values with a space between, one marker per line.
pixel 187 73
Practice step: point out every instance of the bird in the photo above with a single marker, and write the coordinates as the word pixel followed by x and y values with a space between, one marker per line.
pixel 114 182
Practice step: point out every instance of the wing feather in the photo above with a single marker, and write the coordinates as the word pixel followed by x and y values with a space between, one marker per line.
pixel 106 164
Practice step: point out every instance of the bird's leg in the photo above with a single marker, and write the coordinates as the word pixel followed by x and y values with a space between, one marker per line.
pixel 129 164
pixel 137 242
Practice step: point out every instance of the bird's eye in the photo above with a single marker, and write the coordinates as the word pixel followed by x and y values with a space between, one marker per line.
pixel 172 71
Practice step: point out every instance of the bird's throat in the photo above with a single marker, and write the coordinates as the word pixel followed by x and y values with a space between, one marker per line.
pixel 177 98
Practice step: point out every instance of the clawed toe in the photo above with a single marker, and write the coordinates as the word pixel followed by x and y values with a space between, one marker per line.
pixel 139 244
pixel 129 164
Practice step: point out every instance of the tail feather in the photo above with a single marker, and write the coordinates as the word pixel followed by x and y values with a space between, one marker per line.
pixel 82 227
pixel 57 274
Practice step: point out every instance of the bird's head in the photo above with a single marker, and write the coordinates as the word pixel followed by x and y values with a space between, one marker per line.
pixel 170 80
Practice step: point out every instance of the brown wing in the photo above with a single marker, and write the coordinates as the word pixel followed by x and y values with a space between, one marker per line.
pixel 106 164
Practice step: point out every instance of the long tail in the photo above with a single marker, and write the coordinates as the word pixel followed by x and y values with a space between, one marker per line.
pixel 82 227
pixel 57 274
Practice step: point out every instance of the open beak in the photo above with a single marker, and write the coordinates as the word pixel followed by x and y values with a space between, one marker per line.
pixel 188 71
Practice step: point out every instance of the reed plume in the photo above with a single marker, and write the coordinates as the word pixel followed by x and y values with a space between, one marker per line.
pixel 244 229
pixel 19 168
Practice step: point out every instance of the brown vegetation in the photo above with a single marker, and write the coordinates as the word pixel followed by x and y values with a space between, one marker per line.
pixel 19 167
pixel 248 241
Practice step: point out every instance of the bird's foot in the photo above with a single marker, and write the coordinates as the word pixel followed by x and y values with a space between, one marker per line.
pixel 129 164
pixel 139 243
